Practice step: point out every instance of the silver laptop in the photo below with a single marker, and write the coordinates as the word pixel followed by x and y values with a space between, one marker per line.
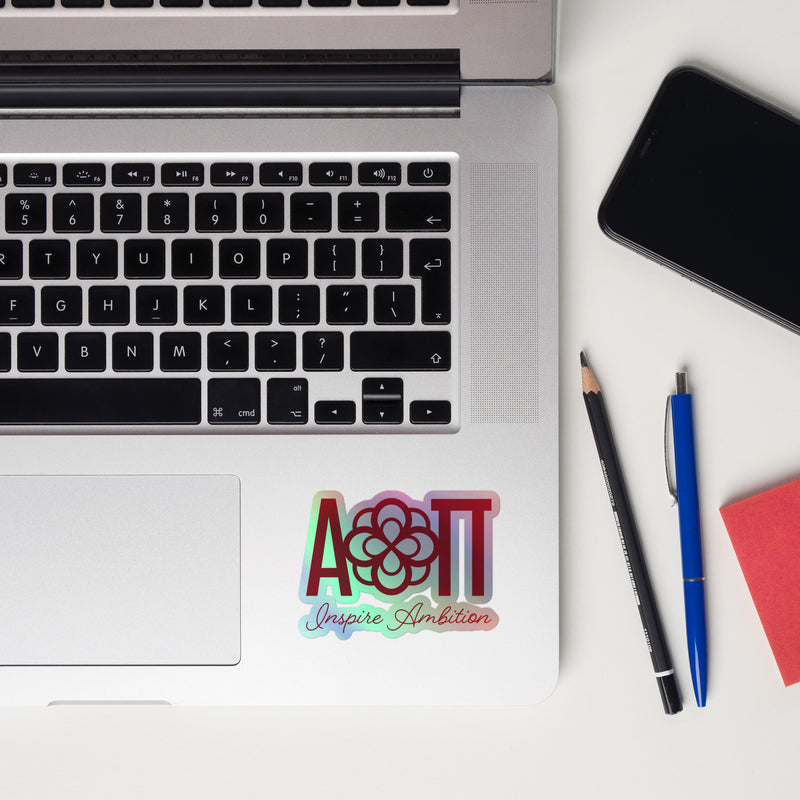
pixel 278 383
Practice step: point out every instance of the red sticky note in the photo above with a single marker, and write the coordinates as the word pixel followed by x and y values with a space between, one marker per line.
pixel 765 533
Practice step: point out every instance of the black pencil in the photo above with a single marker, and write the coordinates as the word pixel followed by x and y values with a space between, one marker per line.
pixel 629 536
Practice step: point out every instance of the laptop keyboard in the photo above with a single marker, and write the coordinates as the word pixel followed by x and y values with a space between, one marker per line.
pixel 256 4
pixel 236 293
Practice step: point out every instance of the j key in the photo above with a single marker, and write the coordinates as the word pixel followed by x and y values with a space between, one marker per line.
pixel 109 305
pixel 263 212
pixel 96 258
pixel 431 173
pixel 85 352
pixel 228 352
pixel 298 305
pixel 73 213
pixel 418 211
pixel 133 174
pixel 37 352
pixel 120 213
pixel 144 258
pixel 180 351
pixel 287 258
pixel 281 173
pixel 10 259
pixel 100 401
pixel 48 259
pixel 323 351
pixel 287 401
pixel 310 211
pixel 132 352
pixel 276 352
pixel 358 211
pixel 204 305
pixel 240 258
pixel 17 305
pixel 182 174
pixel 382 258
pixel 231 174
pixel 394 305
pixel 400 350
pixel 251 305
pixel 379 174
pixel 334 412
pixel 334 258
pixel 84 175
pixel 330 174
pixel 192 258
pixel 346 305
pixel 234 401
pixel 156 305
pixel 429 260
pixel 168 213
pixel 215 212
pixel 34 174
pixel 62 305
pixel 26 213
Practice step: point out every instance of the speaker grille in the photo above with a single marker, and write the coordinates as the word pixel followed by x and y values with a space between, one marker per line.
pixel 503 293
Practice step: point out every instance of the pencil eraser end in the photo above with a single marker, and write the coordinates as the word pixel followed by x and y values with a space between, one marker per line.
pixel 670 696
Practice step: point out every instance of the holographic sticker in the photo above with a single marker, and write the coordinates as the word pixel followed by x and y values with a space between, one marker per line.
pixel 391 564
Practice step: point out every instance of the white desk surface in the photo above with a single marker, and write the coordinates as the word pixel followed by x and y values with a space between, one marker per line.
pixel 603 733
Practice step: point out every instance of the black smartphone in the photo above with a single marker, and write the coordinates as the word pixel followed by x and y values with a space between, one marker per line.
pixel 711 187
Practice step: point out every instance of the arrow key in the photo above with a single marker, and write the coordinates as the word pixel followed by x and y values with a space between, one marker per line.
pixel 334 412
pixel 430 412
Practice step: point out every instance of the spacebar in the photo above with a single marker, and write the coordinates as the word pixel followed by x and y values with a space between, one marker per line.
pixel 95 401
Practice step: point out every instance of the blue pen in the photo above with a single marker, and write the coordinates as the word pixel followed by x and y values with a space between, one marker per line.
pixel 689 518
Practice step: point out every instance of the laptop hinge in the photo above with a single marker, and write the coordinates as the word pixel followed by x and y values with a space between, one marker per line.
pixel 227 82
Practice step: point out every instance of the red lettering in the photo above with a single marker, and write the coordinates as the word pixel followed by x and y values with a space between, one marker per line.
pixel 328 521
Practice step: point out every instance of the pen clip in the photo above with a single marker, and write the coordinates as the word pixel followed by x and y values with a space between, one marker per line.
pixel 669 463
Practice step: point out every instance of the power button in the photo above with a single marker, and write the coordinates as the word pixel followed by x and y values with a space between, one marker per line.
pixel 429 173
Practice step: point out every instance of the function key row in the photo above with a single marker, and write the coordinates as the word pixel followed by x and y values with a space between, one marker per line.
pixel 228 174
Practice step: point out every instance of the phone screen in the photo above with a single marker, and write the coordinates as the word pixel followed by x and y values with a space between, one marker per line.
pixel 711 187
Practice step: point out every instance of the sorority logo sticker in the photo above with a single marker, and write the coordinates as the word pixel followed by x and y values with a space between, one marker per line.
pixel 391 565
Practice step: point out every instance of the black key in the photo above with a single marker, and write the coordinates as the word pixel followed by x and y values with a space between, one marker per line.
pixel 382 401
pixel 287 401
pixel 231 174
pixel 62 305
pixel 334 258
pixel 328 3
pixel 10 259
pixel 276 352
pixel 235 401
pixel 281 173
pixel 418 211
pixel 428 173
pixel 323 351
pixel 26 213
pixel 17 305
pixel 48 259
pixel 358 211
pixel 298 305
pixel 34 174
pixel 132 3
pixel 394 305
pixel 181 3
pixel 73 213
pixel 379 2
pixel 180 351
pixel 182 174
pixel 132 352
pixel 287 258
pixel 400 350
pixel 85 352
pixel 310 211
pixel 429 2
pixel 133 175
pixel 120 213
pixel 168 213
pixel 430 412
pixel 3 175
pixel 228 352
pixel 263 211
pixel 334 412
pixel 156 305
pixel 330 174
pixel 204 305
pixel 145 258
pixel 33 3
pixel 429 260
pixel 100 401
pixel 96 258
pixel 82 3
pixel 346 305
pixel 215 212
pixel 240 258
pixel 5 352
pixel 109 305
pixel 192 258
pixel 251 305
pixel 279 3
pixel 83 175
pixel 384 173
pixel 382 258
pixel 37 352
pixel 226 3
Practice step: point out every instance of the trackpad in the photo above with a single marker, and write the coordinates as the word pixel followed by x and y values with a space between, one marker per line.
pixel 102 570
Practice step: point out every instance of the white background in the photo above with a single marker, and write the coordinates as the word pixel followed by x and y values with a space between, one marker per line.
pixel 603 733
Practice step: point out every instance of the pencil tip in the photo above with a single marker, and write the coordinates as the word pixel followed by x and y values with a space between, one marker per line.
pixel 584 363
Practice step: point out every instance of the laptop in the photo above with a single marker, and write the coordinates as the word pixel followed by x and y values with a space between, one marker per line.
pixel 278 356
